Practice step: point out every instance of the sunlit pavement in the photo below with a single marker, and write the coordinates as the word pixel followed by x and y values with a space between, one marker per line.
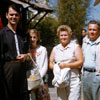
pixel 53 95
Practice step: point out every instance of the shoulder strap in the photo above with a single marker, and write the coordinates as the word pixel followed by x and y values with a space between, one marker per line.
pixel 35 65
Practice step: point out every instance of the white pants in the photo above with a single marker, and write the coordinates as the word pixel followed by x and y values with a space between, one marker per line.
pixel 73 91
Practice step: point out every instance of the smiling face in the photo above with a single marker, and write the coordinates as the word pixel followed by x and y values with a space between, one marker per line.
pixel 93 31
pixel 13 16
pixel 64 37
pixel 33 39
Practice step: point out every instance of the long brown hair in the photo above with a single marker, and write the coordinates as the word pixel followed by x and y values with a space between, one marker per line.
pixel 34 31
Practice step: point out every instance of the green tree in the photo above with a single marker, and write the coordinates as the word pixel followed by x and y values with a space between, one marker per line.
pixel 47 29
pixel 73 13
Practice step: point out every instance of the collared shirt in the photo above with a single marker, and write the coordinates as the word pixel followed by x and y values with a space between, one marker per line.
pixel 66 55
pixel 90 54
pixel 63 54
pixel 8 50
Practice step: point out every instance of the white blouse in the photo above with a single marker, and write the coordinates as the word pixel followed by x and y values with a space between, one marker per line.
pixel 42 60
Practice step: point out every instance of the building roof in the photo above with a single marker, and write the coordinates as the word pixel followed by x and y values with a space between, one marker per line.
pixel 33 5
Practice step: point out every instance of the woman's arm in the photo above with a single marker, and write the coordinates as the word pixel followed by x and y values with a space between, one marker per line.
pixel 51 60
pixel 43 62
pixel 77 63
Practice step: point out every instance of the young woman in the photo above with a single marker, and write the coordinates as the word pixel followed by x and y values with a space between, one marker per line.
pixel 39 55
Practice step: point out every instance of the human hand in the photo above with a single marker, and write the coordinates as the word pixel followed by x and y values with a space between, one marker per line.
pixel 62 65
pixel 23 57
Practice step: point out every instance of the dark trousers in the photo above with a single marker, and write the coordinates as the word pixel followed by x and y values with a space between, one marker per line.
pixel 2 88
pixel 15 81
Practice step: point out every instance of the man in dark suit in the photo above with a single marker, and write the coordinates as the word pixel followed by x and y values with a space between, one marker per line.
pixel 13 58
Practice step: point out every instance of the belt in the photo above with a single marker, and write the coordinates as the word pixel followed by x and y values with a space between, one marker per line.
pixel 89 69
pixel 15 61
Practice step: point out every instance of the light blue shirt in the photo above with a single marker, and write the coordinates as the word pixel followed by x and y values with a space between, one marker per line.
pixel 90 55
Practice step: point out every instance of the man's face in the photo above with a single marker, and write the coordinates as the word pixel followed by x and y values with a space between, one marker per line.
pixel 12 16
pixel 93 31
pixel 83 33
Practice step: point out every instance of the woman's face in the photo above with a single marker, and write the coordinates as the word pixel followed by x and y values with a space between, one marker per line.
pixel 33 39
pixel 64 37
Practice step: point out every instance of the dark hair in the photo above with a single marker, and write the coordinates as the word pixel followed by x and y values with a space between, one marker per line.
pixel 94 22
pixel 15 7
pixel 84 30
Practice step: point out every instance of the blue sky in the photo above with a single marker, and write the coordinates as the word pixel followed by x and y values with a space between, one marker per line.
pixel 52 2
pixel 94 11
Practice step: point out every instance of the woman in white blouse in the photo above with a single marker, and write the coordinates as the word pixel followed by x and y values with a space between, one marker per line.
pixel 39 54
pixel 68 55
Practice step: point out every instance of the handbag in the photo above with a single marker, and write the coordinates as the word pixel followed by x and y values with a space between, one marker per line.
pixel 34 78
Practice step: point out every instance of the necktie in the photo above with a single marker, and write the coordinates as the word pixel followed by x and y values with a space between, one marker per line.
pixel 16 43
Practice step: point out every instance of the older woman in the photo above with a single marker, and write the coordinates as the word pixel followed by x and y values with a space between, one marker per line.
pixel 69 55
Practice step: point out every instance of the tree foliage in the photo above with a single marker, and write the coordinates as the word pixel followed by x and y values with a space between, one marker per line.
pixel 72 13
pixel 47 30
pixel 47 27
